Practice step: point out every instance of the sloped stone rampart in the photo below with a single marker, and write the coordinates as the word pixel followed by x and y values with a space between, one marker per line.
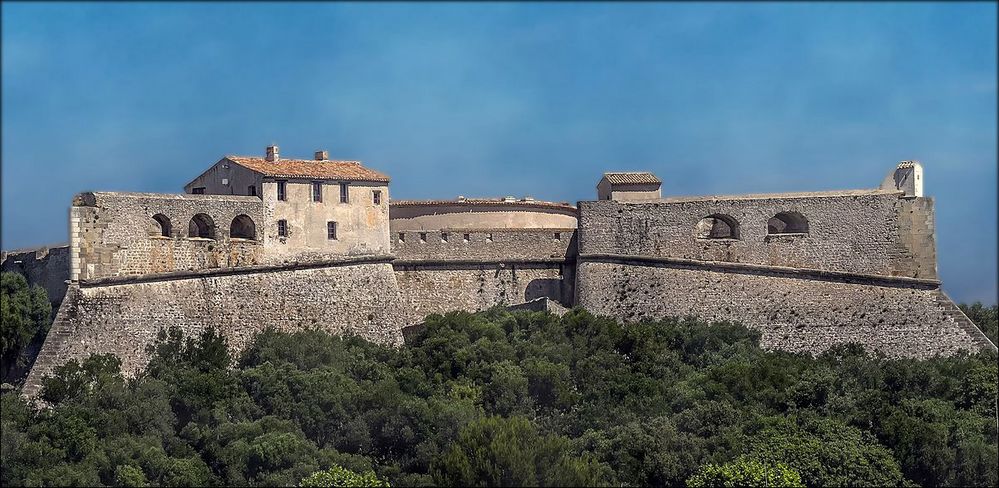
pixel 353 298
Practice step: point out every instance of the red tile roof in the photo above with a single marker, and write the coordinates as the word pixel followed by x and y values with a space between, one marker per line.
pixel 307 168
pixel 632 178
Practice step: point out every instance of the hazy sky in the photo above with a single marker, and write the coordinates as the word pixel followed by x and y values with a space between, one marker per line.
pixel 496 99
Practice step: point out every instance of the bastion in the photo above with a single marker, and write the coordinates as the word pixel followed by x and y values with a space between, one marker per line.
pixel 258 242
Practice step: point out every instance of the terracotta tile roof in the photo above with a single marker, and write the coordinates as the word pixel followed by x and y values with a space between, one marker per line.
pixel 632 178
pixel 307 168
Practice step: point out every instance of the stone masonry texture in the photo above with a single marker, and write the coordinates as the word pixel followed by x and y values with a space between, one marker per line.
pixel 360 299
pixel 857 266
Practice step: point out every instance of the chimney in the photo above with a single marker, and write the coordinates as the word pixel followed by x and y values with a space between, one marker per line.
pixel 322 155
pixel 272 153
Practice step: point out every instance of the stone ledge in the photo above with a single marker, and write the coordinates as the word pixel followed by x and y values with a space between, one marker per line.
pixel 802 273
pixel 251 269
pixel 480 262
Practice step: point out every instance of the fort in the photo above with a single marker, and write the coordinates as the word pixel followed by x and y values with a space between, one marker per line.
pixel 256 242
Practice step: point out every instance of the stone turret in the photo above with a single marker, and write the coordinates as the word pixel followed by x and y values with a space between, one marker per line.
pixel 907 177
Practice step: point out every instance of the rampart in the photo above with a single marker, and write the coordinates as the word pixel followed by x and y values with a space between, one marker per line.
pixel 866 231
pixel 856 266
pixel 472 254
pixel 122 315
pixel 808 270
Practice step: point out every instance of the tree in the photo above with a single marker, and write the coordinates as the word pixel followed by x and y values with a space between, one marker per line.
pixel 745 472
pixel 986 318
pixel 24 317
pixel 497 451
pixel 338 476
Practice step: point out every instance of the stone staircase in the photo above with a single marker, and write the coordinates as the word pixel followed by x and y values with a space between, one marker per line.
pixel 950 309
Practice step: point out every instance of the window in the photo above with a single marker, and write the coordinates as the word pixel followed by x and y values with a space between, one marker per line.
pixel 558 236
pixel 787 223
pixel 282 190
pixel 402 237
pixel 242 227
pixel 467 237
pixel 160 226
pixel 443 236
pixel 331 230
pixel 489 237
pixel 718 226
pixel 423 237
pixel 201 226
pixel 343 193
pixel 282 228
pixel 317 191
pixel 251 190
pixel 376 196
pixel 198 191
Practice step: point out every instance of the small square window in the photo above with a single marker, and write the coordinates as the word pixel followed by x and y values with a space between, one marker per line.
pixel 402 237
pixel 331 230
pixel 317 191
pixel 282 228
pixel 376 196
pixel 467 237
pixel 489 237
pixel 443 236
pixel 343 193
pixel 423 237
pixel 282 190
pixel 558 236
pixel 251 190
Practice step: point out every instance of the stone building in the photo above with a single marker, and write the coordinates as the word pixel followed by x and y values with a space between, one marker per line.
pixel 257 242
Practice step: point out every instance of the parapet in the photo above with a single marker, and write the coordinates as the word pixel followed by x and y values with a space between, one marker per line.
pixel 480 213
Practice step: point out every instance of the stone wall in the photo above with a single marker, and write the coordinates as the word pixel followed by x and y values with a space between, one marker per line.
pixel 115 234
pixel 794 313
pixel 357 297
pixel 47 267
pixel 478 213
pixel 870 231
pixel 428 287
pixel 484 244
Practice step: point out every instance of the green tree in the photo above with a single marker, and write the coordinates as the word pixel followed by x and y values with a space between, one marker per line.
pixel 498 451
pixel 24 317
pixel 338 476
pixel 986 318
pixel 745 472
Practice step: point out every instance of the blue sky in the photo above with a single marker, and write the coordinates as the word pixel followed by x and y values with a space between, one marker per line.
pixel 510 99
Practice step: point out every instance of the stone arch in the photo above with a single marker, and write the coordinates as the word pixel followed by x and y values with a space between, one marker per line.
pixel 201 226
pixel 787 223
pixel 242 227
pixel 718 226
pixel 160 226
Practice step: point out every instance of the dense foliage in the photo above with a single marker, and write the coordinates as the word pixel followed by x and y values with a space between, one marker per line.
pixel 503 398
pixel 985 318
pixel 24 318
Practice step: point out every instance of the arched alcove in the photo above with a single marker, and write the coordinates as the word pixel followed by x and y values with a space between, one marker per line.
pixel 787 223
pixel 718 226
pixel 242 227
pixel 201 226
pixel 160 226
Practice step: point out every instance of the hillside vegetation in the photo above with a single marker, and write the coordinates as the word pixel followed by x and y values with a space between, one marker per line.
pixel 501 398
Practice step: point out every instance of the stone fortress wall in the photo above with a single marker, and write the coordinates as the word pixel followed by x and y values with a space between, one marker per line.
pixel 117 234
pixel 808 270
pixel 867 231
pixel 473 254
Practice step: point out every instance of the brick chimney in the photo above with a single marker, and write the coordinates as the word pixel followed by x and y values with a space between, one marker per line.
pixel 322 155
pixel 272 153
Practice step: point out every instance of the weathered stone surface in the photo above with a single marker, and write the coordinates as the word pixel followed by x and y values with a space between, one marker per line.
pixel 356 298
pixel 793 313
